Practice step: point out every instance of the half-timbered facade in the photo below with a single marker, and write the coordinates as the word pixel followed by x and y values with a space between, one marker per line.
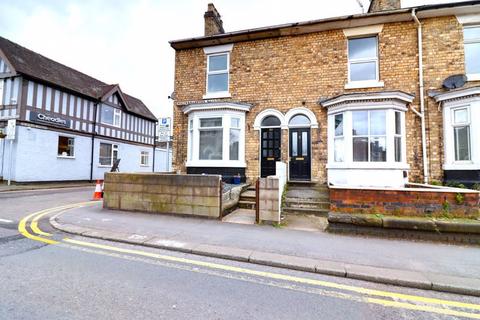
pixel 69 126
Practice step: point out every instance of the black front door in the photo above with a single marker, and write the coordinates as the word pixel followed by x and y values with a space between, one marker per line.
pixel 300 154
pixel 270 151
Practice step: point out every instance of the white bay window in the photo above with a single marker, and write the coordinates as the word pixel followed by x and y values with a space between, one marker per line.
pixel 366 139
pixel 460 130
pixel 216 135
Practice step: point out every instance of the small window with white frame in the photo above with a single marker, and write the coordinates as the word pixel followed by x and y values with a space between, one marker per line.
pixel 218 72
pixel 190 139
pixel 111 116
pixel 66 147
pixel 471 35
pixel 211 139
pixel 398 137
pixel 363 59
pixel 234 138
pixel 338 140
pixel 144 156
pixel 461 133
pixel 108 154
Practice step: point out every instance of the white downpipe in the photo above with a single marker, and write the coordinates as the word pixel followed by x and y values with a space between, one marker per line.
pixel 422 98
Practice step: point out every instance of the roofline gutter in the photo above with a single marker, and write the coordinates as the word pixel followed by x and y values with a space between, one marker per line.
pixel 349 21
pixel 421 114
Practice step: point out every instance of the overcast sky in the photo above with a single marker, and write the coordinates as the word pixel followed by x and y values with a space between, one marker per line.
pixel 126 41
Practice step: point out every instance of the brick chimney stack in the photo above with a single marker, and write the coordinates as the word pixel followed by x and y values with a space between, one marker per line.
pixel 384 5
pixel 213 21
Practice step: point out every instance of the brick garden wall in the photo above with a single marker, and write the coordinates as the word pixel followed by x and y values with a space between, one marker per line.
pixel 293 71
pixel 195 195
pixel 405 202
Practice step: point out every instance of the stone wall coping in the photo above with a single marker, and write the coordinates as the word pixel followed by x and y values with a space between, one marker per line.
pixel 424 188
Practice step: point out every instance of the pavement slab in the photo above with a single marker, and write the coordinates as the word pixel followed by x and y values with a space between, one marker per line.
pixel 397 277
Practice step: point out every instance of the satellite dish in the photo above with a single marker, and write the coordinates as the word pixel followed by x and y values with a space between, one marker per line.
pixel 455 81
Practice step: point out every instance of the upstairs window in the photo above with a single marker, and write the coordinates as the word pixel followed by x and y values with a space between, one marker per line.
pixel 217 73
pixel 471 37
pixel 363 59
pixel 111 116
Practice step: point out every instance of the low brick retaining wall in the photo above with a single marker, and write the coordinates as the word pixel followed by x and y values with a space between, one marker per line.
pixel 430 229
pixel 435 202
pixel 196 195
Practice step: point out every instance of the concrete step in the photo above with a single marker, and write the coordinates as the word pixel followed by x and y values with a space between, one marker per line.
pixel 316 212
pixel 307 197
pixel 306 203
pixel 243 198
pixel 246 204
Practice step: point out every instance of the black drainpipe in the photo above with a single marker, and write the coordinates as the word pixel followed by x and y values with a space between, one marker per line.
pixel 95 106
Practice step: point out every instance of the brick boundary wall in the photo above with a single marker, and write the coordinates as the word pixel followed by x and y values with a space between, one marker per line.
pixel 195 195
pixel 406 202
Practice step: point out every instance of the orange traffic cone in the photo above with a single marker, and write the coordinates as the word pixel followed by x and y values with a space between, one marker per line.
pixel 98 194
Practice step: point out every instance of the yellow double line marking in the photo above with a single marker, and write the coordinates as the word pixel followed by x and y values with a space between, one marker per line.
pixel 440 306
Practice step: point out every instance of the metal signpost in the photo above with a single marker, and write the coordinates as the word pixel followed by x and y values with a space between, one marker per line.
pixel 11 126
pixel 164 127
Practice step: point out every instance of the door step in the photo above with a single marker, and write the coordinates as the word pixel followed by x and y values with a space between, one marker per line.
pixel 243 204
pixel 307 203
pixel 308 211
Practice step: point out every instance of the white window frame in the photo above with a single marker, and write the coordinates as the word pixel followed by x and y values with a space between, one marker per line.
pixel 449 105
pixel 117 116
pixel 211 128
pixel 212 51
pixel 339 137
pixel 114 150
pixel 1 91
pixel 364 83
pixel 194 118
pixel 371 136
pixel 460 125
pixel 144 158
pixel 227 71
pixel 471 76
pixel 348 162
pixel 398 135
pixel 70 139
pixel 237 129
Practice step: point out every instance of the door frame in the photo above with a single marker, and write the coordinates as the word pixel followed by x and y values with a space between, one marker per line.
pixel 309 127
pixel 260 146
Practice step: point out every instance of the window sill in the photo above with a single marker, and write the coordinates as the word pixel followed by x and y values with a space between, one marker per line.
pixel 473 77
pixel 462 166
pixel 111 125
pixel 144 165
pixel 369 166
pixel 364 84
pixel 215 95
pixel 217 163
pixel 65 157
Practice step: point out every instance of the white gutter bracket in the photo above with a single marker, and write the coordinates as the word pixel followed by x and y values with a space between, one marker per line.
pixel 422 96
